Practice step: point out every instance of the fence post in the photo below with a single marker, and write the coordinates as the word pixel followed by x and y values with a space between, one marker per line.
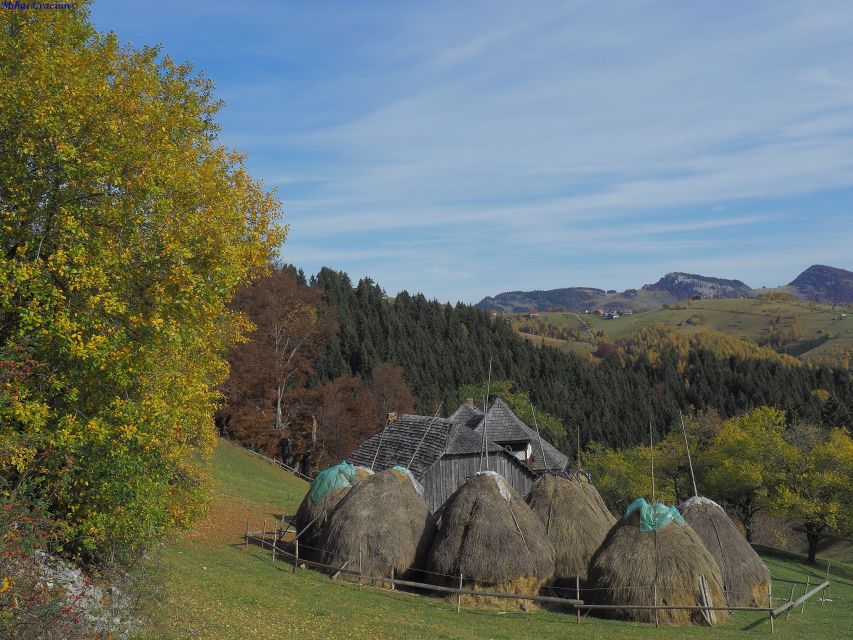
pixel 246 537
pixel 803 609
pixel 825 596
pixel 459 595
pixel 578 597
pixel 770 598
pixel 295 554
pixel 264 534
pixel 790 599
pixel 360 573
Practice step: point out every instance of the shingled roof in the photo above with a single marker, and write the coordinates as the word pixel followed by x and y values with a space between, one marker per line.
pixel 467 414
pixel 503 426
pixel 424 437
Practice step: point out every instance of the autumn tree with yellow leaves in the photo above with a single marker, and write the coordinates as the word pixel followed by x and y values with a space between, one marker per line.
pixel 125 228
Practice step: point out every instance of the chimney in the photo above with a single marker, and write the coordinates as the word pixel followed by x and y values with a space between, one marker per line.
pixel 392 416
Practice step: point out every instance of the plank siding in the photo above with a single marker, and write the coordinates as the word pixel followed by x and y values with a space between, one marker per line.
pixel 450 472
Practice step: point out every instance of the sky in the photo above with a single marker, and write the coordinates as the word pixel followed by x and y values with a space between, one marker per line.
pixel 462 149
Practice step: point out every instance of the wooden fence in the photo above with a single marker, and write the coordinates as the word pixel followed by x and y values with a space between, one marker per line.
pixel 278 534
pixel 277 463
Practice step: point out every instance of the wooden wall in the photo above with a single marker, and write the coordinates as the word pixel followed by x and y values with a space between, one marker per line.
pixel 450 472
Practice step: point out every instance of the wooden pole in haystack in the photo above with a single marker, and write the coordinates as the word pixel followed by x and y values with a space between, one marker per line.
pixel 539 435
pixel 485 450
pixel 689 459
pixel 423 437
pixel 655 532
pixel 578 438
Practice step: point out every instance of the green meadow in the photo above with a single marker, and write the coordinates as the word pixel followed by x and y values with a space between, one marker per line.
pixel 212 587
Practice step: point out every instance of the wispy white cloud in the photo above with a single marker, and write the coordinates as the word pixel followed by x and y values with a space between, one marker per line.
pixel 467 148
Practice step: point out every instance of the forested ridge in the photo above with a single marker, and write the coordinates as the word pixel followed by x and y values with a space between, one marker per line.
pixel 647 378
pixel 442 346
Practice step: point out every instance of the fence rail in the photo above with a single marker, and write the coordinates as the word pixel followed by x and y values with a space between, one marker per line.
pixel 277 463
pixel 575 603
pixel 795 603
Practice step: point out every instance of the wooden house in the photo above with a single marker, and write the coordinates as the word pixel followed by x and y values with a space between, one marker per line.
pixel 441 453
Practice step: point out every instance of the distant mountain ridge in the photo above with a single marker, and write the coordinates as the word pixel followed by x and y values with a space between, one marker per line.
pixel 818 282
pixel 825 284
pixel 688 285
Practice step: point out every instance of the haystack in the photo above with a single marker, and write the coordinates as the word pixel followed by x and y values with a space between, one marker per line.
pixel 381 526
pixel 326 491
pixel 671 556
pixel 490 536
pixel 576 521
pixel 745 578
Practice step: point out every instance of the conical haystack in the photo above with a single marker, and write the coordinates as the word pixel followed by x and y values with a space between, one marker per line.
pixel 745 577
pixel 381 526
pixel 576 521
pixel 631 563
pixel 490 536
pixel 322 497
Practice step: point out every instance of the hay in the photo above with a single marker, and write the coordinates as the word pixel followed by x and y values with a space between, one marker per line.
pixel 745 578
pixel 524 586
pixel 494 541
pixel 312 517
pixel 381 524
pixel 623 572
pixel 576 521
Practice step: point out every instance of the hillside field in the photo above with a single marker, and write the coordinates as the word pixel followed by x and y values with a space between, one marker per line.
pixel 214 589
pixel 744 318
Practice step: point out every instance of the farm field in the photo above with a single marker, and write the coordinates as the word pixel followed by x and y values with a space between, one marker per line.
pixel 213 588
pixel 745 318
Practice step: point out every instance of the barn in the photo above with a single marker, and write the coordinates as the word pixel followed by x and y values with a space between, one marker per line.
pixel 441 453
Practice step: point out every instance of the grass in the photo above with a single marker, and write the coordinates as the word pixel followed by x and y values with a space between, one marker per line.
pixel 746 318
pixel 214 589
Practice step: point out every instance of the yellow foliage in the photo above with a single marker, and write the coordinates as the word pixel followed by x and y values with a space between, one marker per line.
pixel 126 229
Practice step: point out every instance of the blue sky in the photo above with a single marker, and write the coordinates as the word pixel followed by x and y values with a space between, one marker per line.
pixel 462 149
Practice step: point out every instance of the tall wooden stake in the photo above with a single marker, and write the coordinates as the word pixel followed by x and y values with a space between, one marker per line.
pixel 246 545
pixel 459 595
pixel 803 609
pixel 655 533
pixel 689 459
pixel 652 449
pixel 539 435
pixel 485 450
pixel 578 438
